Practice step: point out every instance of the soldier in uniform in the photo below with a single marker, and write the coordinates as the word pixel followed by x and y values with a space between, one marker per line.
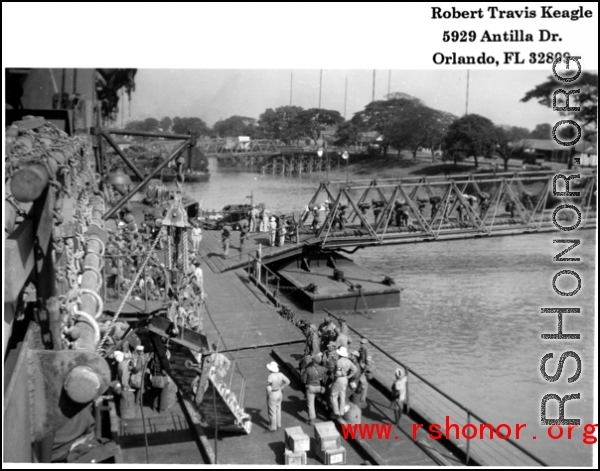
pixel 244 227
pixel 276 382
pixel 312 378
pixel 225 238
pixel 345 369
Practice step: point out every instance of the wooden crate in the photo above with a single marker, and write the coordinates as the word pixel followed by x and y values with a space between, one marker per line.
pixel 332 456
pixel 327 437
pixel 296 440
pixel 295 458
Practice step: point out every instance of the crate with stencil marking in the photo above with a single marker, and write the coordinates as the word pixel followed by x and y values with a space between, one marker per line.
pixel 296 439
pixel 327 437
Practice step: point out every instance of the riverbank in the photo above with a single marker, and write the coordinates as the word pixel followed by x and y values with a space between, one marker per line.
pixel 404 165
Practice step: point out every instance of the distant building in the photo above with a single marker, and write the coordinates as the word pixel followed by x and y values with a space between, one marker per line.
pixel 543 149
pixel 549 151
pixel 587 153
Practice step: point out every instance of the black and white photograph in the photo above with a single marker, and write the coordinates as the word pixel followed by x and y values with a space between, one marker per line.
pixel 305 234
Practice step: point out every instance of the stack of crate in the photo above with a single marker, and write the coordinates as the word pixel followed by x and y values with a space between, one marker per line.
pixel 297 443
pixel 329 444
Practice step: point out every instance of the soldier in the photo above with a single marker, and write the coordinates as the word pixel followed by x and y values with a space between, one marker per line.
pixel 344 369
pixel 312 377
pixel 313 341
pixel 341 217
pixel 196 237
pixel 326 331
pixel 329 361
pixel 363 350
pixel 316 223
pixel 276 382
pixel 399 392
pixel 272 231
pixel 225 238
pixel 244 228
pixel 253 219
pixel 435 202
pixel 342 339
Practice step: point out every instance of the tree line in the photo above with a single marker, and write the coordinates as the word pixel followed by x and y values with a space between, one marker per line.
pixel 400 121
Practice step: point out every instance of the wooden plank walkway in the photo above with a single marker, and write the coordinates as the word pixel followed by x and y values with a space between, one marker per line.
pixel 211 249
pixel 170 438
pixel 235 310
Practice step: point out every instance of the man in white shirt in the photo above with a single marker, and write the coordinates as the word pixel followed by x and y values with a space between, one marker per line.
pixel 196 237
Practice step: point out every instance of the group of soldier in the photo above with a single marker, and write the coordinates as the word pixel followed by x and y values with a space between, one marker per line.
pixel 278 228
pixel 140 376
pixel 331 370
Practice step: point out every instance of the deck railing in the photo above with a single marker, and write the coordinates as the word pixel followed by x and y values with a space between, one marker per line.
pixel 436 406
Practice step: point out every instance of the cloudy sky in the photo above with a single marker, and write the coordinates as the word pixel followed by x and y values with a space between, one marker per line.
pixel 214 94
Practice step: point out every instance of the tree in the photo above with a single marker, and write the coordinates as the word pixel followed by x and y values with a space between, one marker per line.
pixel 510 142
pixel 347 133
pixel 586 99
pixel 314 121
pixel 421 126
pixel 437 130
pixel 165 124
pixel 410 129
pixel 281 123
pixel 151 124
pixel 542 131
pixel 236 126
pixel 190 125
pixel 470 136
pixel 384 115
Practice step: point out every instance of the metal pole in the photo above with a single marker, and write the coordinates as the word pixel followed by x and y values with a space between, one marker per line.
pixel 320 86
pixel 346 97
pixel 74 81
pixel 327 157
pixel 389 81
pixel 140 185
pixel 62 88
pixel 120 153
pixel 467 105
pixel 347 170
pixel 123 108
pixel 373 95
pixel 291 85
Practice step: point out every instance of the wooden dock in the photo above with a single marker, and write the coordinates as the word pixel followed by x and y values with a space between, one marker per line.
pixel 241 321
pixel 171 440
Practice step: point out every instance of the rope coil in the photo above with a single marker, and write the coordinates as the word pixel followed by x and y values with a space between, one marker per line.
pixel 89 320
pixel 99 302
pixel 130 290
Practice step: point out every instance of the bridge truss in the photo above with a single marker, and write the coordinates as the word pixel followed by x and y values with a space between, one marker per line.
pixel 426 209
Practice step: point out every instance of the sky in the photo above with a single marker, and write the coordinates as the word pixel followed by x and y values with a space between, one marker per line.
pixel 214 94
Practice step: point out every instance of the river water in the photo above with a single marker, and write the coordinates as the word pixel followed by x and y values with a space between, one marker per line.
pixel 470 318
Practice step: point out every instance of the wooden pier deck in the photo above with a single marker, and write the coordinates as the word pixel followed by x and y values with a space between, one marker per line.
pixel 211 249
pixel 171 440
pixel 239 312
pixel 250 328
